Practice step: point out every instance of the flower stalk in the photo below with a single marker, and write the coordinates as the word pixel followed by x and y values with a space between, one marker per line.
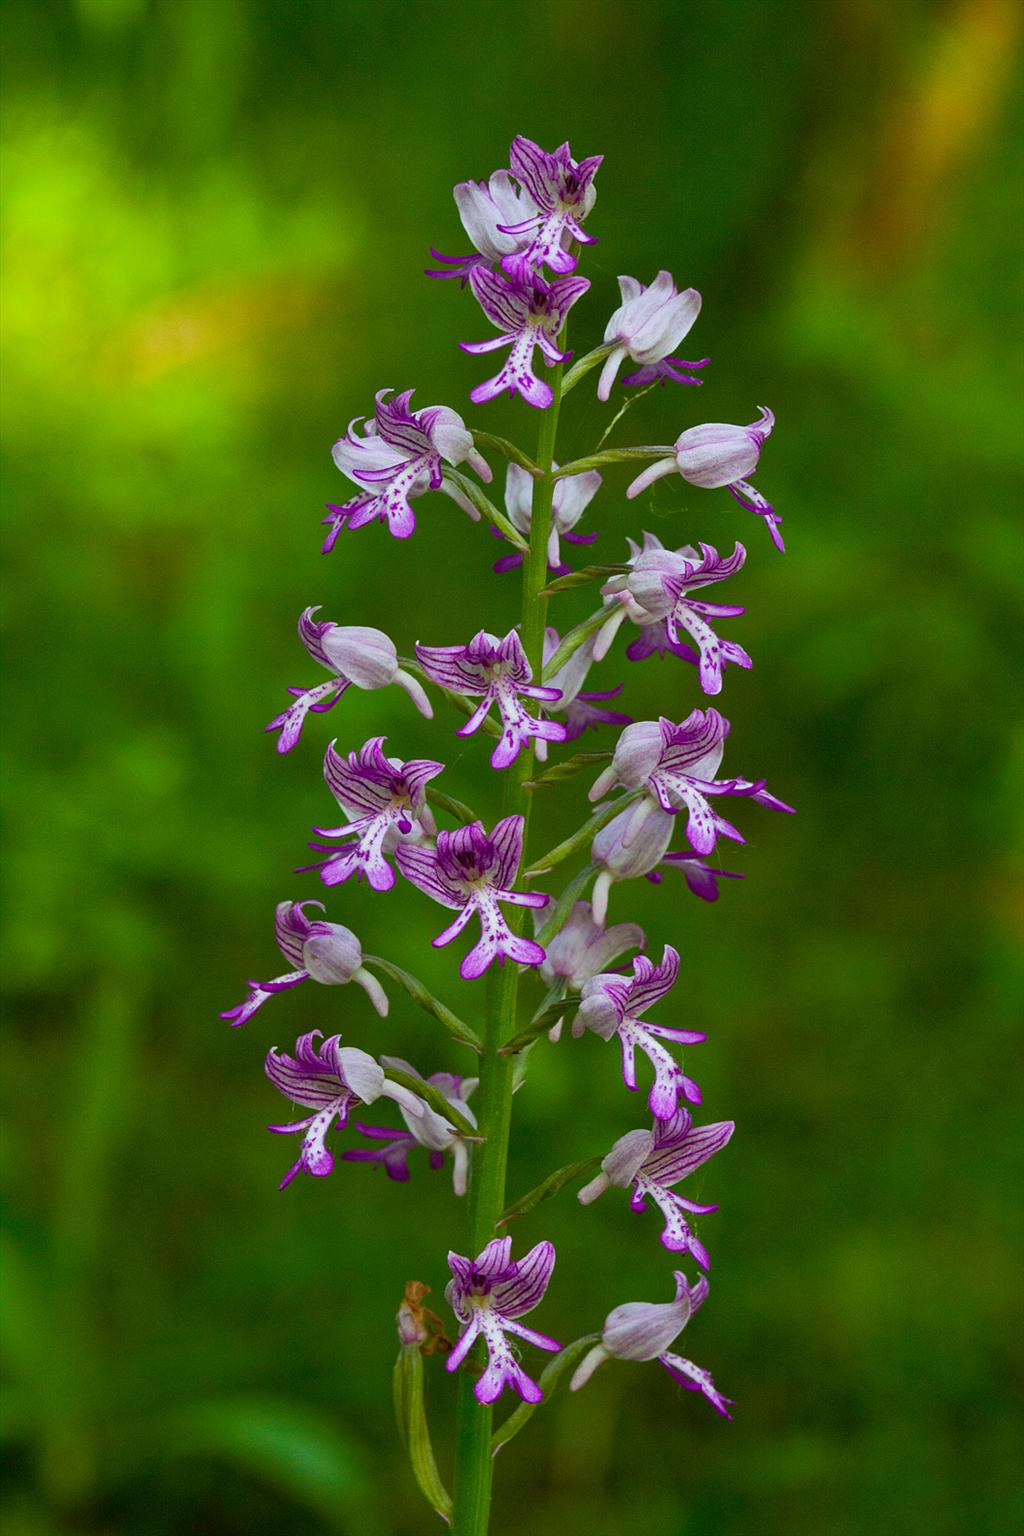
pixel 529 691
pixel 473 1455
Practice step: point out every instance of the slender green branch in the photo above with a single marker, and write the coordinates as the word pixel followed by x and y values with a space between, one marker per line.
pixel 506 449
pixel 549 1379
pixel 485 505
pixel 567 770
pixel 425 999
pixel 613 456
pixel 550 1186
pixel 626 405
pixel 436 1100
pixel 582 577
pixel 583 834
pixel 583 366
pixel 574 639
pixel 456 808
pixel 560 911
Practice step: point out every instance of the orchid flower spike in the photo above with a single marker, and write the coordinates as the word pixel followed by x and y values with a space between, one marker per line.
pixel 318 951
pixel 572 496
pixel 496 672
pixel 474 872
pixel 358 657
pixel 676 765
pixel 649 324
pixel 488 210
pixel 427 1129
pixel 564 192
pixel 529 313
pixel 613 1004
pixel 642 1330
pixel 397 457
pixel 384 800
pixel 718 454
pixel 651 1162
pixel 328 1081
pixel 488 1295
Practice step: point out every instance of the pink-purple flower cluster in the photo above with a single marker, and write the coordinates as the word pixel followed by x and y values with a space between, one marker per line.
pixel 532 689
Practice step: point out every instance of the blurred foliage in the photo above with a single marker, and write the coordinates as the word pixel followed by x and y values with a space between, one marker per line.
pixel 216 216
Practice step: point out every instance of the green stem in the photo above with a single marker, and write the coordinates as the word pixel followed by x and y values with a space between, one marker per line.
pixel 493 1102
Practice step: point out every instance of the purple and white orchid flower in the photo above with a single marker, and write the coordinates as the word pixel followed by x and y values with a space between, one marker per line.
pixel 676 766
pixel 564 192
pixel 428 1129
pixel 396 457
pixel 613 1004
pixel 328 1081
pixel 659 585
pixel 488 210
pixel 650 323
pixel 488 1295
pixel 384 799
pixel 641 1330
pixel 529 313
pixel 474 872
pixel 718 454
pixel 497 672
pixel 572 496
pixel 651 1162
pixel 359 657
pixel 317 951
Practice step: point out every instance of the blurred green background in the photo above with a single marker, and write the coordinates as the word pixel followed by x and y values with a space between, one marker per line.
pixel 217 213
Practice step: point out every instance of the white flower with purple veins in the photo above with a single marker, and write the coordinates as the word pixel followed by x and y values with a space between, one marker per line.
pixel 632 844
pixel 572 496
pixel 622 605
pixel 719 454
pixel 698 874
pixel 496 672
pixel 613 1005
pixel 651 1162
pixel 475 872
pixel 488 1295
pixel 429 1130
pixel 642 1330
pixel 328 1082
pixel 317 951
pixel 384 799
pixel 488 209
pixel 648 325
pixel 564 192
pixel 580 711
pixel 661 583
pixel 655 594
pixel 359 657
pixel 677 766
pixel 529 313
pixel 399 456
